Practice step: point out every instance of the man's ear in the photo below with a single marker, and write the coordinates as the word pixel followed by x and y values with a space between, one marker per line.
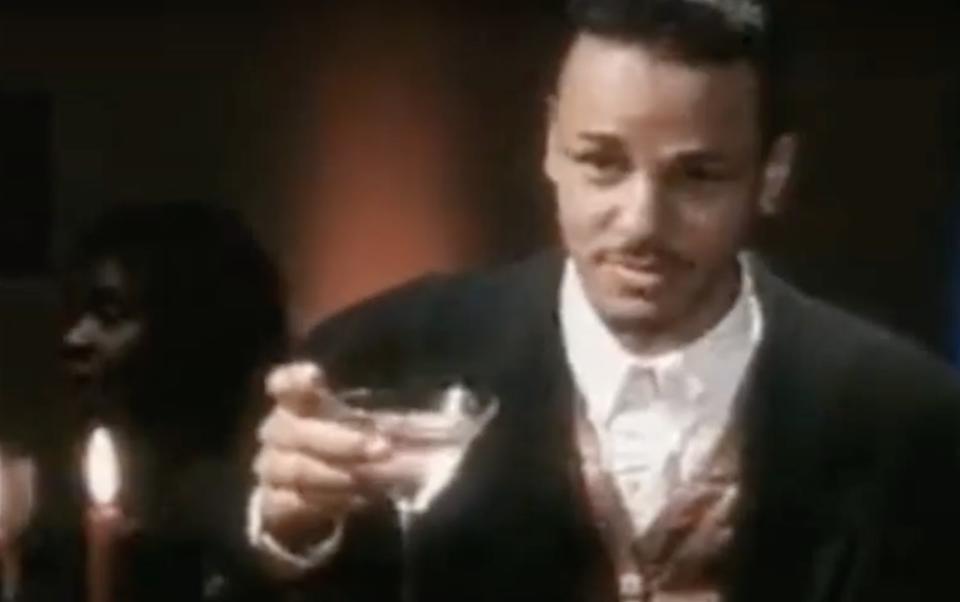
pixel 550 149
pixel 776 173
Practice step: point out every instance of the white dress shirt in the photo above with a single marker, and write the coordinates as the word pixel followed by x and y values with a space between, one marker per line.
pixel 657 417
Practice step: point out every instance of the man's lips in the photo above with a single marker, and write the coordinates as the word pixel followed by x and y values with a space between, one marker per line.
pixel 639 264
pixel 646 262
pixel 634 279
pixel 647 271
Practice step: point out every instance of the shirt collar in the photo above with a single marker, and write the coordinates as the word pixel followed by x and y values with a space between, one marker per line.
pixel 600 364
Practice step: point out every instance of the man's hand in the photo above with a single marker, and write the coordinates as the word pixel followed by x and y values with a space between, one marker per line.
pixel 307 466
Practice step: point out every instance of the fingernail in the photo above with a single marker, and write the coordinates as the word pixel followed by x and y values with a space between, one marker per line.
pixel 376 446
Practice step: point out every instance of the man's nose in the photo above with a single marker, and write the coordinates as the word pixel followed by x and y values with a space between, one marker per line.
pixel 642 211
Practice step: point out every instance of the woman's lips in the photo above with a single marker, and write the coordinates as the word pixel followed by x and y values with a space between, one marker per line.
pixel 80 371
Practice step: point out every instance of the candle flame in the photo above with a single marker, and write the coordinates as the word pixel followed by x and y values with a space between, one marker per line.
pixel 102 468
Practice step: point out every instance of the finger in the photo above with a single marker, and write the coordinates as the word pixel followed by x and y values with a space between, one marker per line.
pixel 335 503
pixel 293 504
pixel 300 387
pixel 278 468
pixel 292 509
pixel 398 470
pixel 286 509
pixel 282 502
pixel 325 439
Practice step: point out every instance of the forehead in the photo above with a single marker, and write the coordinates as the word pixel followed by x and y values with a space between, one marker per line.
pixel 104 278
pixel 109 273
pixel 631 88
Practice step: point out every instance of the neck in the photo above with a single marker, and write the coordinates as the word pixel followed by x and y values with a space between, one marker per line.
pixel 707 310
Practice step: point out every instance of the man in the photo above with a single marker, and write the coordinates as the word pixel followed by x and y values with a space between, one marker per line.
pixel 675 422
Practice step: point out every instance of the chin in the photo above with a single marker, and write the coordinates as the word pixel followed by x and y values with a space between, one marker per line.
pixel 636 314
pixel 80 379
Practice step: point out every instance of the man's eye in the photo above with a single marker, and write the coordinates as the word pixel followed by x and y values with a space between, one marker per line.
pixel 699 172
pixel 601 166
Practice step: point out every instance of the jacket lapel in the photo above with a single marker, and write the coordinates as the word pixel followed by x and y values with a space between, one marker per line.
pixel 548 409
pixel 789 543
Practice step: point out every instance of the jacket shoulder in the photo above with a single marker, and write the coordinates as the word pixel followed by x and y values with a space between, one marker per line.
pixel 891 361
pixel 428 322
pixel 865 369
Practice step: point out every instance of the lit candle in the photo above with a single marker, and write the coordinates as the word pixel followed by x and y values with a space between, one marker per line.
pixel 9 551
pixel 104 518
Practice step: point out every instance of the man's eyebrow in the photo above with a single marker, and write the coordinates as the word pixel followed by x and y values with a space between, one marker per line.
pixel 601 138
pixel 701 155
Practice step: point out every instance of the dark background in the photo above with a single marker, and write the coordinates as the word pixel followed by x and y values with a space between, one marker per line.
pixel 373 140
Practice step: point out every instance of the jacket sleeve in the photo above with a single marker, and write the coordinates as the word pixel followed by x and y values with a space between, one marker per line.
pixel 909 553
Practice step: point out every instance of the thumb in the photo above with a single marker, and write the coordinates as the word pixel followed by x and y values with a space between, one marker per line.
pixel 299 387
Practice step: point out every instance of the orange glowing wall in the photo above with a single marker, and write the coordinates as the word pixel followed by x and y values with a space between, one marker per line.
pixel 373 195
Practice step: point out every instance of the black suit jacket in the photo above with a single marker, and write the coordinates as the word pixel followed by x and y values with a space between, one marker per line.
pixel 850 453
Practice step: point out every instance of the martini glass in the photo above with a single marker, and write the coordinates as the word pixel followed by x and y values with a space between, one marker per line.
pixel 430 431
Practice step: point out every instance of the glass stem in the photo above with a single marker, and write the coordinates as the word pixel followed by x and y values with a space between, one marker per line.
pixel 406 517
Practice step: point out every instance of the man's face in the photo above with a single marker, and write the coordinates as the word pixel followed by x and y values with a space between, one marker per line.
pixel 106 334
pixel 658 171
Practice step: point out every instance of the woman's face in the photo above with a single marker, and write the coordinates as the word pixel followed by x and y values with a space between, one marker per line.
pixel 108 329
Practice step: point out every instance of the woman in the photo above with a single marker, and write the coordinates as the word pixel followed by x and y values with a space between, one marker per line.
pixel 176 308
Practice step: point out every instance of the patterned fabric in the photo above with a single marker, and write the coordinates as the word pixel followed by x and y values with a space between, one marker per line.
pixel 658 417
pixel 679 557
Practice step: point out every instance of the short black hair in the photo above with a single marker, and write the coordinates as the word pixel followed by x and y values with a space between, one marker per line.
pixel 700 32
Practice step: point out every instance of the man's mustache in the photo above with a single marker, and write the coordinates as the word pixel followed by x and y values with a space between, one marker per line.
pixel 646 255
